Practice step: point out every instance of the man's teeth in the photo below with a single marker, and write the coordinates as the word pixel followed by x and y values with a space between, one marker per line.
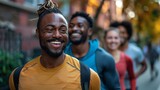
pixel 55 42
pixel 75 34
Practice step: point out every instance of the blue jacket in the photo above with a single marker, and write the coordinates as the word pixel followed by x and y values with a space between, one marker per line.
pixel 102 62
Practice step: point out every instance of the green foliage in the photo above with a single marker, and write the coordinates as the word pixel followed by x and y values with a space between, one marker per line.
pixel 147 15
pixel 8 62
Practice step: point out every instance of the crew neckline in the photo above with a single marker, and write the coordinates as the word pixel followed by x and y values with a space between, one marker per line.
pixel 51 69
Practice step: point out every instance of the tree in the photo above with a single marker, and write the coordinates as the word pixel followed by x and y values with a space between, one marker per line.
pixel 147 13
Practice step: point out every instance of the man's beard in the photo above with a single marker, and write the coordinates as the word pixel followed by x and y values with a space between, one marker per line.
pixel 55 54
pixel 80 41
pixel 123 42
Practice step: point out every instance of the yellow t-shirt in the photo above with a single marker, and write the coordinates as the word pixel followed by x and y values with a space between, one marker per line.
pixel 66 76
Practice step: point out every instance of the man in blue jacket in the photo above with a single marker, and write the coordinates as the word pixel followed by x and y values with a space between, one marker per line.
pixel 89 52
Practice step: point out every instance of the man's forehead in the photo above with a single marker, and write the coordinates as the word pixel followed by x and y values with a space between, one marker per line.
pixel 55 17
pixel 79 19
pixel 62 17
pixel 122 28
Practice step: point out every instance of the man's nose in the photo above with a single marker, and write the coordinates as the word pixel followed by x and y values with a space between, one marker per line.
pixel 57 34
pixel 75 27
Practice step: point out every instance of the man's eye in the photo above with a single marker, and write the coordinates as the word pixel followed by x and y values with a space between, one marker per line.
pixel 63 30
pixel 48 30
pixel 71 26
pixel 80 25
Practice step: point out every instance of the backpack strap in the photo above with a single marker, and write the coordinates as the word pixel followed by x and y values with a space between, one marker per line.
pixel 85 76
pixel 16 77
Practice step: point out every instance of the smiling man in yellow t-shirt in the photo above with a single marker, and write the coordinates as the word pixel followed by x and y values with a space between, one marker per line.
pixel 53 70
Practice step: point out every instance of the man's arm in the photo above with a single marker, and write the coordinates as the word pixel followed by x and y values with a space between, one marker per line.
pixel 142 69
pixel 130 71
pixel 107 70
pixel 94 81
pixel 110 75
pixel 11 82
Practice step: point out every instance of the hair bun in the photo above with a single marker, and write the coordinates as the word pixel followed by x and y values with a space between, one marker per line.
pixel 47 5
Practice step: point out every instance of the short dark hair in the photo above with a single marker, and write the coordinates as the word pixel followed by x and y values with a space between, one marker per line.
pixel 46 8
pixel 114 24
pixel 128 26
pixel 84 15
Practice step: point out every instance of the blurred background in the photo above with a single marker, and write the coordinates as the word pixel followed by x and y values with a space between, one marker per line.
pixel 19 44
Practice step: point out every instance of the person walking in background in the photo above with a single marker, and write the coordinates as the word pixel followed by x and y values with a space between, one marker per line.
pixel 158 49
pixel 89 52
pixel 123 62
pixel 133 51
pixel 53 70
pixel 152 56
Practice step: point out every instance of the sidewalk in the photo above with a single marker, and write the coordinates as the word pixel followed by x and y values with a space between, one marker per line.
pixel 144 82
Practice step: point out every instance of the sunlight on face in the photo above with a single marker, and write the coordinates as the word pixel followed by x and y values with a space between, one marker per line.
pixel 112 40
pixel 53 34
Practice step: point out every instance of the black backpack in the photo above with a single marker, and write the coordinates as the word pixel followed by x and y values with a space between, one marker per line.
pixel 84 70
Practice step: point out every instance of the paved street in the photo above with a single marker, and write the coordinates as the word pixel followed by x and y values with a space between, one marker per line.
pixel 144 82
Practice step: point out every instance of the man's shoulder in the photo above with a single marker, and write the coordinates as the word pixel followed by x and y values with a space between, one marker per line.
pixel 71 58
pixel 103 57
pixel 32 62
pixel 94 78
pixel 72 61
pixel 93 74
pixel 101 52
pixel 134 48
pixel 76 62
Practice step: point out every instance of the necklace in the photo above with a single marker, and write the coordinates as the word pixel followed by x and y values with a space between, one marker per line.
pixel 116 57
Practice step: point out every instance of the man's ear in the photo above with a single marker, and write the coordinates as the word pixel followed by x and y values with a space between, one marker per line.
pixel 37 33
pixel 90 32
